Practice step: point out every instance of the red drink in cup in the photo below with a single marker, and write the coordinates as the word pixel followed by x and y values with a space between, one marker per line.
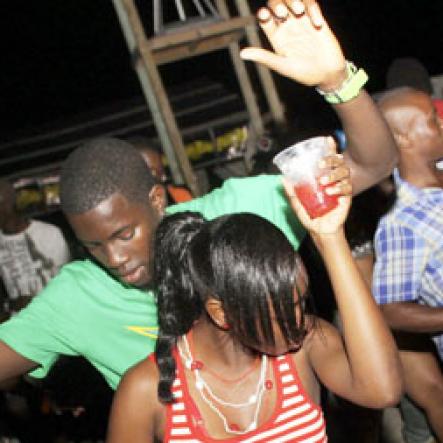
pixel 314 199
pixel 299 163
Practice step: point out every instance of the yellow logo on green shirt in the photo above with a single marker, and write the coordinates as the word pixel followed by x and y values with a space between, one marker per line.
pixel 147 331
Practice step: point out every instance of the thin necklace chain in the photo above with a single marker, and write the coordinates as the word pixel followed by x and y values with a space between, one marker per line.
pixel 201 385
pixel 207 369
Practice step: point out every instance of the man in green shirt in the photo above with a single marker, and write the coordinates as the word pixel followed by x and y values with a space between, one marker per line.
pixel 103 309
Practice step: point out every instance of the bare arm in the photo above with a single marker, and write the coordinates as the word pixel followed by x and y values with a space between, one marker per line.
pixel 412 317
pixel 371 153
pixel 365 265
pixel 365 366
pixel 12 364
pixel 307 51
pixel 136 412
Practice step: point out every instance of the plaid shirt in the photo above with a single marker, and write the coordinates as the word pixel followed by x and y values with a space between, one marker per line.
pixel 409 249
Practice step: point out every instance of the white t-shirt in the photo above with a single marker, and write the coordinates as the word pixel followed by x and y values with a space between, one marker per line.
pixel 28 260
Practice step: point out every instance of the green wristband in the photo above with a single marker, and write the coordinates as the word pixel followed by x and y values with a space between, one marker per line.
pixel 350 88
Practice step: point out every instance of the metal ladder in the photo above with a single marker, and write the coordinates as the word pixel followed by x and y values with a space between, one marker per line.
pixel 210 27
pixel 201 10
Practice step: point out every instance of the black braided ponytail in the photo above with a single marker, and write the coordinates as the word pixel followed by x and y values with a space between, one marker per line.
pixel 179 303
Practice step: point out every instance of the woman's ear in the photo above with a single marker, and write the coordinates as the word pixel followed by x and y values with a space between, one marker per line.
pixel 216 313
pixel 157 198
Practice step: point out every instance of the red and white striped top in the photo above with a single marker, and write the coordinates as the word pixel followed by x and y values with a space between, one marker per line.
pixel 296 418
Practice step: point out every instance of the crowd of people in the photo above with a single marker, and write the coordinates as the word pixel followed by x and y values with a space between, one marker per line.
pixel 205 314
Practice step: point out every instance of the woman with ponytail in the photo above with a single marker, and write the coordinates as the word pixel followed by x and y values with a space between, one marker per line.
pixel 240 357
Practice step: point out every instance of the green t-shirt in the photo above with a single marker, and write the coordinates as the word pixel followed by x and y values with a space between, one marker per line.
pixel 84 311
pixel 261 195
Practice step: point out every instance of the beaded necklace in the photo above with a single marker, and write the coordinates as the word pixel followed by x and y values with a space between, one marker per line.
pixel 209 397
pixel 199 365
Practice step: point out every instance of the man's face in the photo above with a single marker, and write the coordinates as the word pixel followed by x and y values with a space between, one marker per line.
pixel 425 126
pixel 118 234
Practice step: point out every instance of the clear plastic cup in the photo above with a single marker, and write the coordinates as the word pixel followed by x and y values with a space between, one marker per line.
pixel 299 164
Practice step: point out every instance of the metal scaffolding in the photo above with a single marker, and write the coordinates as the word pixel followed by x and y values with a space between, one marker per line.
pixel 209 28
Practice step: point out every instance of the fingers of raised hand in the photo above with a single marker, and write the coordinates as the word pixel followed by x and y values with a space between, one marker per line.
pixel 336 173
pixel 290 193
pixel 342 187
pixel 279 11
pixel 294 201
pixel 332 145
pixel 333 161
pixel 314 13
pixel 298 7
pixel 289 189
pixel 266 20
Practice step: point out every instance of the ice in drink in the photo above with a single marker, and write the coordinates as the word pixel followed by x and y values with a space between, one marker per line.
pixel 299 163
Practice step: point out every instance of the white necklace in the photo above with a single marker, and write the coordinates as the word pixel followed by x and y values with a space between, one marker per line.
pixel 201 383
pixel 201 386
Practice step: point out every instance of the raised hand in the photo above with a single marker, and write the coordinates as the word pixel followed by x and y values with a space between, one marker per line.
pixel 305 48
pixel 332 221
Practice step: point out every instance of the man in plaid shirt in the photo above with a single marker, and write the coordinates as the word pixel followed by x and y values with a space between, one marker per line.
pixel 408 274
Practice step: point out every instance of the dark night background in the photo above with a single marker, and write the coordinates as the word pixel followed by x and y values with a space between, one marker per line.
pixel 61 58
